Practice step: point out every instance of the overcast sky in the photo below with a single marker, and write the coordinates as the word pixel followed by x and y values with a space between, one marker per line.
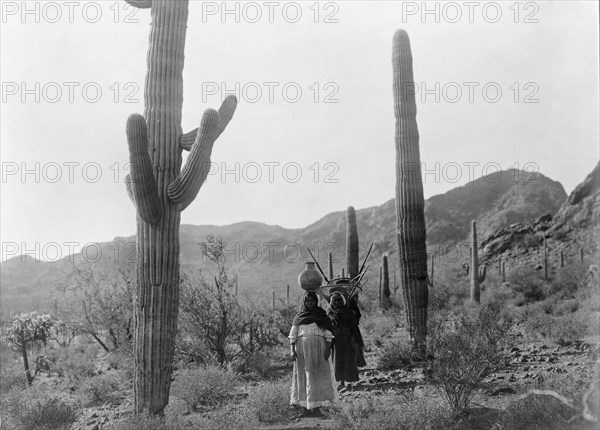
pixel 500 85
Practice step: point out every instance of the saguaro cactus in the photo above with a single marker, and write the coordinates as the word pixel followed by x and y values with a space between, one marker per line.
pixel 410 204
pixel 385 287
pixel 545 260
pixel 477 273
pixel 330 265
pixel 351 243
pixel 160 190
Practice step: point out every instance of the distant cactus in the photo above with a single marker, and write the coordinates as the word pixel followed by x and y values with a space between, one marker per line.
pixel 562 259
pixel 477 273
pixel 503 271
pixel 351 243
pixel 410 217
pixel 432 271
pixel 381 287
pixel 385 287
pixel 545 260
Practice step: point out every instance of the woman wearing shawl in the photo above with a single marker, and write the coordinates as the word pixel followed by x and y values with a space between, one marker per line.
pixel 310 347
pixel 348 340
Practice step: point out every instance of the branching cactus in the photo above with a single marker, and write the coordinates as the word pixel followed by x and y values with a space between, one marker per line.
pixel 477 273
pixel 351 243
pixel 160 190
pixel 410 204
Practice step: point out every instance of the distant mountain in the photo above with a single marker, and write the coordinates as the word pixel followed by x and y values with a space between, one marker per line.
pixel 268 257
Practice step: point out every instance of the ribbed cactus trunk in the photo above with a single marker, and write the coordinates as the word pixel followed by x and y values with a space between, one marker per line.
pixel 385 288
pixel 160 190
pixel 545 260
pixel 330 266
pixel 410 215
pixel 477 274
pixel 351 243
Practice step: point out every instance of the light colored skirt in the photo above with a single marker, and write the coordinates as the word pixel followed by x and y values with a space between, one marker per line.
pixel 313 384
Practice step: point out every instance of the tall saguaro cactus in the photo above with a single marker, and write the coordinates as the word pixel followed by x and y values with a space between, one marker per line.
pixel 160 190
pixel 477 273
pixel 385 287
pixel 410 216
pixel 351 243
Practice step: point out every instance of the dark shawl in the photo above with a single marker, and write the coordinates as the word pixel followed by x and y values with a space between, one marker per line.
pixel 317 315
pixel 342 316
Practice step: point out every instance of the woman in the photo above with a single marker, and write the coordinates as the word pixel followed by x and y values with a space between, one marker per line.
pixel 348 340
pixel 310 347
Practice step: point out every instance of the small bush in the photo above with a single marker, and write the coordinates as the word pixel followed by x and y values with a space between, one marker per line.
pixel 536 413
pixel 258 363
pixel 395 355
pixel 270 402
pixel 379 327
pixel 12 380
pixel 75 362
pixel 208 386
pixel 146 422
pixel 390 414
pixel 465 351
pixel 33 409
pixel 103 389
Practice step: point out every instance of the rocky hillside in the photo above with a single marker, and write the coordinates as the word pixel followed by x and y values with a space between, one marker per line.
pixel 268 257
pixel 573 231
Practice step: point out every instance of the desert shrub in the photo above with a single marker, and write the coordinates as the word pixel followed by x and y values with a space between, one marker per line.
pixel 396 354
pixel 562 330
pixel 208 386
pixel 379 326
pixel 567 329
pixel 213 323
pixel 146 422
pixel 34 409
pixel 464 352
pixel 259 363
pixel 104 388
pixel 529 283
pixel 391 414
pixel 270 402
pixel 75 363
pixel 10 380
pixel 536 412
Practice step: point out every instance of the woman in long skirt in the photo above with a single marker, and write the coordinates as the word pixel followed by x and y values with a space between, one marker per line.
pixel 313 385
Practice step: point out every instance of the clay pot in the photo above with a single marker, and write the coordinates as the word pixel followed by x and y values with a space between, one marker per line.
pixel 310 279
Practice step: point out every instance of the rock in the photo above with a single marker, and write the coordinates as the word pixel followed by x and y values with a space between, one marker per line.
pixel 502 391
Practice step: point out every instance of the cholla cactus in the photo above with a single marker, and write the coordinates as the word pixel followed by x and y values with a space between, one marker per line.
pixel 410 203
pixel 26 331
pixel 160 189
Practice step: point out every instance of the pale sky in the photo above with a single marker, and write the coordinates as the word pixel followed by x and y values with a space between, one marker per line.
pixel 501 85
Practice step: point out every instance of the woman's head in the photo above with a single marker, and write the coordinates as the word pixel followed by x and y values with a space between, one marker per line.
pixel 338 300
pixel 310 300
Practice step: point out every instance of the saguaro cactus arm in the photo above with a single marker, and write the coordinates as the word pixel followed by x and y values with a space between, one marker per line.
pixel 141 182
pixel 187 184
pixel 226 112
